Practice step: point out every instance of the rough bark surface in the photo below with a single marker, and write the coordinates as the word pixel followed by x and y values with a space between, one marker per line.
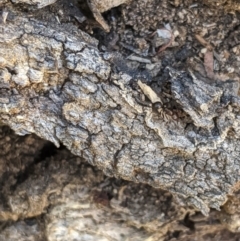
pixel 55 83
pixel 50 194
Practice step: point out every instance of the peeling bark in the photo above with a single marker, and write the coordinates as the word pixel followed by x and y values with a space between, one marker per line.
pixel 57 84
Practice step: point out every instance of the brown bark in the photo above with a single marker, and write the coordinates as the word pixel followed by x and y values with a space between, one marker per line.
pixel 56 84
pixel 50 194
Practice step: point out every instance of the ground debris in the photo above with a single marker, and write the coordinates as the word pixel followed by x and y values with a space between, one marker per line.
pixel 227 5
pixel 149 92
pixel 99 6
pixel 208 64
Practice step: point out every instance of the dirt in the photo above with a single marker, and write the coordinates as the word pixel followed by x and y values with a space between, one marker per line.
pixel 133 31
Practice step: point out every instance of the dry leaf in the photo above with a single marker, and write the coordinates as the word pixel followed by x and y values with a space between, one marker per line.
pixel 147 90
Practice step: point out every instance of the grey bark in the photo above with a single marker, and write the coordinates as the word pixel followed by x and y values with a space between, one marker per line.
pixel 49 194
pixel 73 198
pixel 57 84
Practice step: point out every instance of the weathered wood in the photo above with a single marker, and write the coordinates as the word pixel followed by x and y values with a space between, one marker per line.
pixel 50 194
pixel 57 84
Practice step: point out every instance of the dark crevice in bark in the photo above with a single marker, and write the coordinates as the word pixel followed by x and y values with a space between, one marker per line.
pixel 48 150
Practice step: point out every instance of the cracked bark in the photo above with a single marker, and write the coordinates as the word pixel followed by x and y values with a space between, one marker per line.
pixel 50 194
pixel 55 83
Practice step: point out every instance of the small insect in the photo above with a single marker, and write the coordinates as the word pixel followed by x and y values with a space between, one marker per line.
pixel 157 103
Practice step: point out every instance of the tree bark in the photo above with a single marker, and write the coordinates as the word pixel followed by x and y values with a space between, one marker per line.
pixel 56 84
pixel 50 194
